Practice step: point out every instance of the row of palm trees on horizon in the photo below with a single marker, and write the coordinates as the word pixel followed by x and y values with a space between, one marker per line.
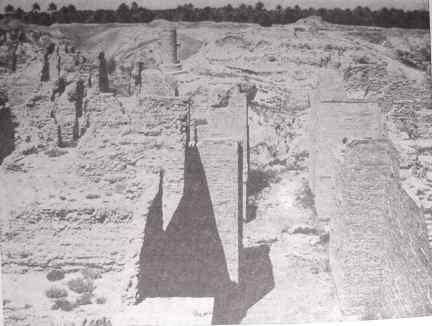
pixel 243 13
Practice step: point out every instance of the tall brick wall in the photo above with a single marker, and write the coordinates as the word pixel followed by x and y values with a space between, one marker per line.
pixel 168 38
pixel 334 123
pixel 221 133
pixel 224 121
pixel 379 254
pixel 164 124
pixel 220 158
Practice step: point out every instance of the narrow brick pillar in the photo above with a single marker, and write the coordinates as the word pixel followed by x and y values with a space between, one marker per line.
pixel 168 38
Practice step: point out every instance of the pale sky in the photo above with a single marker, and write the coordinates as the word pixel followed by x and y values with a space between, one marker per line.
pixel 162 4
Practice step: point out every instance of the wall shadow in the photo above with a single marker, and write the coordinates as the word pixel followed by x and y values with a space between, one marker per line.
pixel 7 133
pixel 187 259
pixel 256 280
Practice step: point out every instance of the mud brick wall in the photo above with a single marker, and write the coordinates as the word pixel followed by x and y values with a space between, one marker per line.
pixel 379 254
pixel 331 85
pixel 227 121
pixel 220 158
pixel 156 83
pixel 164 124
pixel 101 154
pixel 145 137
pixel 332 124
pixel 66 237
pixel 67 122
pixel 168 41
pixel 221 134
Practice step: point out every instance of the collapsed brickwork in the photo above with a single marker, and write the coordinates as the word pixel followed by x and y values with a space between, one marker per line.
pixel 379 253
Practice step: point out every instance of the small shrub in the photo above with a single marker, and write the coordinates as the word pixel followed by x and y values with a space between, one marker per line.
pixel 84 299
pixel 305 198
pixel 81 285
pixel 56 292
pixel 55 275
pixel 91 273
pixel 101 300
pixel 55 152
pixel 63 304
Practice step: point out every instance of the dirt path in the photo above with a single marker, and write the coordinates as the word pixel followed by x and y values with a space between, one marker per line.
pixel 304 290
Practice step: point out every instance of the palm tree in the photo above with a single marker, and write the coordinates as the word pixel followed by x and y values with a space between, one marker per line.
pixel 52 7
pixel 259 6
pixel 35 7
pixel 19 13
pixel 134 7
pixel 9 9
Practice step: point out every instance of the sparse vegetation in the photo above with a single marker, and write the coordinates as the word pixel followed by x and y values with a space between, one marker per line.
pixel 101 300
pixel 63 304
pixel 55 152
pixel 55 275
pixel 304 197
pixel 55 292
pixel 81 285
pixel 84 299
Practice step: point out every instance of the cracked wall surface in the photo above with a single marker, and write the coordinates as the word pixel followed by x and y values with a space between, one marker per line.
pixel 379 251
pixel 336 120
pixel 219 128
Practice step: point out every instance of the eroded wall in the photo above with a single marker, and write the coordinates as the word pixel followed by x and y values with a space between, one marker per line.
pixel 219 128
pixel 333 124
pixel 223 169
pixel 379 253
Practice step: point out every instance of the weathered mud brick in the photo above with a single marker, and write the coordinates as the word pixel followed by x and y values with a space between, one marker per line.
pixel 66 121
pixel 164 124
pixel 228 119
pixel 379 252
pixel 333 125
pixel 220 158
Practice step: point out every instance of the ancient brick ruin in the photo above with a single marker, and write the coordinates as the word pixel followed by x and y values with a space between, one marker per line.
pixel 217 138
pixel 68 114
pixel 379 251
pixel 169 45
pixel 220 133
pixel 380 255
pixel 334 123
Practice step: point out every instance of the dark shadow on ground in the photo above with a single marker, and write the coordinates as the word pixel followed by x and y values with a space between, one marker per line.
pixel 188 260
pixel 7 133
pixel 256 280
pixel 258 180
